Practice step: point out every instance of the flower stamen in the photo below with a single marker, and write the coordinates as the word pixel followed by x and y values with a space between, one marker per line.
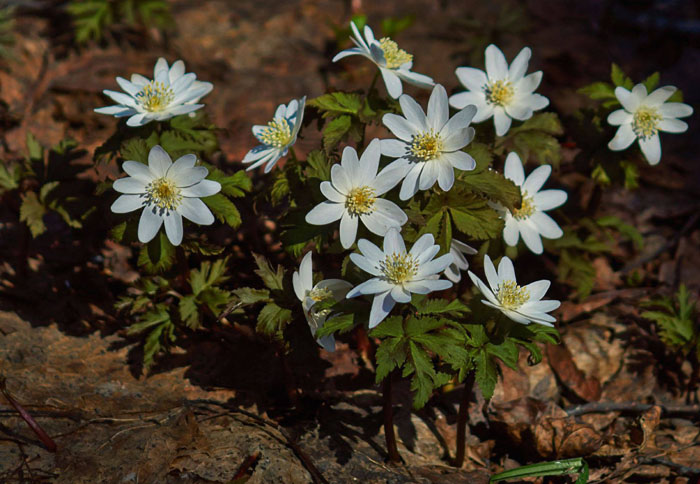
pixel 511 296
pixel 163 193
pixel 426 146
pixel 155 96
pixel 277 133
pixel 360 201
pixel 394 56
pixel 645 122
pixel 499 92
pixel 319 294
pixel 399 268
pixel 527 208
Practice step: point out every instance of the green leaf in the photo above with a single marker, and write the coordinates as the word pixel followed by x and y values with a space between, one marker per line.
pixel 337 103
pixel 35 152
pixel 651 82
pixel 492 185
pixel 340 324
pixel 272 320
pixel 425 306
pixel 189 313
pixel 542 469
pixel 32 212
pixel 236 185
pixel 208 275
pixel 318 166
pixel 224 210
pixel 272 278
pixel 335 131
pixel 619 78
pixel 623 228
pixel 9 177
pixel 135 149
pixel 576 270
pixel 249 295
pixel 474 217
pixel 486 373
pixel 157 255
pixel 599 91
pixel 536 137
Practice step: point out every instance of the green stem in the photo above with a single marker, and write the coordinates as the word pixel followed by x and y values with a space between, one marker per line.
pixel 292 154
pixel 374 81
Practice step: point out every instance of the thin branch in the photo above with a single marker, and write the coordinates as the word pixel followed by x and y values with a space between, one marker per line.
pixel 632 407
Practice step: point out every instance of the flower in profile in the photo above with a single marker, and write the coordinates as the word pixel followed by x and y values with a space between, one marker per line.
pixel 458 250
pixel 503 92
pixel 530 221
pixel 429 146
pixel 642 117
pixel 167 192
pixel 277 136
pixel 398 273
pixel 394 63
pixel 521 304
pixel 310 294
pixel 354 195
pixel 170 93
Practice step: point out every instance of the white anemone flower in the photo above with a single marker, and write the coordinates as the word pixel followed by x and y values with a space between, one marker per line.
pixel 503 92
pixel 642 117
pixel 394 64
pixel 398 273
pixel 277 136
pixel 353 196
pixel 521 304
pixel 530 221
pixel 429 146
pixel 310 294
pixel 167 192
pixel 170 93
pixel 458 250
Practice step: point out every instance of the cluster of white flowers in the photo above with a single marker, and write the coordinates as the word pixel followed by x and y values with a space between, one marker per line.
pixel 427 149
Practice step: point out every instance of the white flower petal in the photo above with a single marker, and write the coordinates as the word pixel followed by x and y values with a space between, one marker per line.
pixel 158 161
pixel 393 242
pixel 623 138
pixel 549 199
pixel 409 187
pixel 399 126
pixel 528 84
pixel 659 96
pixel 381 307
pixel 501 121
pixel 120 98
pixel 496 64
pixel 348 229
pixel 365 263
pixel 519 110
pixel 651 147
pixel 325 213
pixel 458 139
pixel 483 113
pixel 429 175
pixel 340 179
pixel 149 224
pixel 204 188
pixel 513 169
pixel 196 210
pixel 458 122
pixel 400 295
pixel 468 98
pixel 128 86
pixel 671 125
pixel 491 274
pixel 351 165
pixel 369 250
pixel 331 193
pixel 537 289
pixel 393 148
pixel 518 67
pixel 511 232
pixel 446 175
pixel 628 101
pixel 438 110
pixel 531 237
pixel 129 185
pixel 173 227
pixel 546 225
pixel 460 160
pixel 182 166
pixel 138 170
pixel 435 266
pixel 424 242
pixel 392 82
pixel 388 178
pixel 349 52
pixel 127 203
pixel 369 162
pixel 471 78
pixel 118 111
pixel 536 179
pixel 506 271
pixel 616 118
pixel 138 120
pixel 413 113
pixel 675 110
pixel 420 80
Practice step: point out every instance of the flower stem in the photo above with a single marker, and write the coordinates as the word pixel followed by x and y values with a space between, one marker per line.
pixel 374 81
pixel 292 154
pixel 391 447
pixel 463 418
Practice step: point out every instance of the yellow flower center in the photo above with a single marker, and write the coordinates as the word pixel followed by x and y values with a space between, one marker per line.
pixel 163 193
pixel 319 294
pixel 645 122
pixel 394 56
pixel 527 208
pixel 511 296
pixel 426 146
pixel 360 201
pixel 277 134
pixel 399 268
pixel 155 96
pixel 499 92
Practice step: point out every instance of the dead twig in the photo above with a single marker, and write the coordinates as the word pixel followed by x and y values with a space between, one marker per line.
pixel 43 436
pixel 316 475
pixel 632 407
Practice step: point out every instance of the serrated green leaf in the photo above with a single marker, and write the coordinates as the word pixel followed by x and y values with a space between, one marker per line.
pixel 209 274
pixel 652 81
pixel 272 278
pixel 188 311
pixel 486 373
pixel 599 91
pixel 335 131
pixel 272 320
pixel 475 218
pixel 318 166
pixel 249 295
pixel 158 255
pixel 426 306
pixel 32 212
pixel 135 149
pixel 337 103
pixel 223 209
pixel 619 78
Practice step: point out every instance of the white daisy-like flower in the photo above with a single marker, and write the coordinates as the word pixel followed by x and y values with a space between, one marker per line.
pixel 398 273
pixel 530 220
pixel 310 294
pixel 277 136
pixel 521 304
pixel 353 196
pixel 394 64
pixel 170 93
pixel 429 146
pixel 503 92
pixel 167 192
pixel 642 117
pixel 458 250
